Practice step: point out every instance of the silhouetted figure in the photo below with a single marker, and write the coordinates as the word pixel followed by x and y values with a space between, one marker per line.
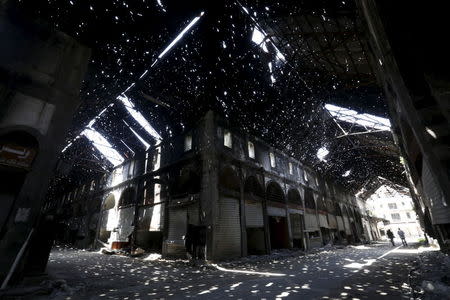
pixel 390 235
pixel 401 234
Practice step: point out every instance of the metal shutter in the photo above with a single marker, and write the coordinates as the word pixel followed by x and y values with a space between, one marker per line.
pixel 340 223
pixel 296 226
pixel 347 226
pixel 332 222
pixel 227 232
pixel 177 230
pixel 193 216
pixel 323 221
pixel 440 214
pixel 311 222
pixel 254 215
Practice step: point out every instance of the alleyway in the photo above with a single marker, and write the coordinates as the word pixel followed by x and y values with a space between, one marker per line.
pixel 361 272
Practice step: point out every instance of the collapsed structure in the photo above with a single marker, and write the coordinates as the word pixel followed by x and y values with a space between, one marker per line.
pixel 243 195
pixel 270 69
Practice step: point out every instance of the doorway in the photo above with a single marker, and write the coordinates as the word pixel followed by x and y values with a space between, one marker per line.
pixel 279 236
pixel 255 241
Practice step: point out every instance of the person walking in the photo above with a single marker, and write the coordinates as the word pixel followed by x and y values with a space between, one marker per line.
pixel 390 235
pixel 401 234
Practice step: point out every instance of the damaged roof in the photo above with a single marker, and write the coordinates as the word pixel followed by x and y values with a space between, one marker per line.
pixel 270 68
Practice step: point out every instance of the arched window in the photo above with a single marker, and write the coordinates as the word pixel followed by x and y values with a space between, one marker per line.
pixel 337 208
pixel 188 182
pixel 227 138
pixel 309 199
pixel 330 207
pixel 274 192
pixel 228 179
pixel 346 212
pixel 188 142
pixel 251 149
pixel 110 202
pixel 294 197
pixel 272 160
pixel 127 197
pixel 321 204
pixel 252 187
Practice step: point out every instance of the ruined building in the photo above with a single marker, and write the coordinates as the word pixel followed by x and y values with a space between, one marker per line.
pixel 243 195
pixel 245 126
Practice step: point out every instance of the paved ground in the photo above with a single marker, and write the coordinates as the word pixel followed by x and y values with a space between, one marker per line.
pixel 363 272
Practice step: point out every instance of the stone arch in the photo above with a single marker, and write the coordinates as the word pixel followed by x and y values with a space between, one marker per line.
pixel 253 187
pixel 187 182
pixel 274 192
pixel 321 205
pixel 330 206
pixel 18 150
pixel 228 179
pixel 127 196
pixel 337 209
pixel 294 197
pixel 346 211
pixel 309 199
pixel 110 202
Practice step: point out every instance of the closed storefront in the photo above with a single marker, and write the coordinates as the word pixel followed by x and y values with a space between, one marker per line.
pixel 227 229
pixel 177 231
pixel 254 214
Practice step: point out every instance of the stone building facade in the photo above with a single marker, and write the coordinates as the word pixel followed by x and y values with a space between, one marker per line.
pixel 239 195
pixel 413 71
pixel 41 71
pixel 394 204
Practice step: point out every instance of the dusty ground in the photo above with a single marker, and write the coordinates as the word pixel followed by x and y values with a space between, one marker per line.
pixel 362 272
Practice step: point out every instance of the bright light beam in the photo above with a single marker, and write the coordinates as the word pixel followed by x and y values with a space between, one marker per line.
pixel 103 146
pixel 129 105
pixel 144 142
pixel 353 116
pixel 179 36
pixel 139 117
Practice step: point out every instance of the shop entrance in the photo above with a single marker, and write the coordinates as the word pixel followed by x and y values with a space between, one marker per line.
pixel 279 236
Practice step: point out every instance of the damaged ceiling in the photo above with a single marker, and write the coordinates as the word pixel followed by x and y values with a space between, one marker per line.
pixel 268 67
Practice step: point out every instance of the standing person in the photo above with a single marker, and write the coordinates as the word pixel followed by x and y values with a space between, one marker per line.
pixel 390 235
pixel 401 234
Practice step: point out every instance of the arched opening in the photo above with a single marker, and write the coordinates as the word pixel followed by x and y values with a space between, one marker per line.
pixel 254 220
pixel 127 197
pixel 321 206
pixel 253 188
pixel 337 209
pixel 17 152
pixel 187 182
pixel 309 199
pixel 276 211
pixel 109 218
pixel 295 218
pixel 152 208
pixel 340 221
pixel 109 203
pixel 294 197
pixel 274 192
pixel 229 180
pixel 332 219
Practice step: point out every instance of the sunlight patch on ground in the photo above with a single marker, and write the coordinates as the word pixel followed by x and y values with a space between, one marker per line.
pixel 246 271
pixel 153 256
pixel 359 266
pixel 360 247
